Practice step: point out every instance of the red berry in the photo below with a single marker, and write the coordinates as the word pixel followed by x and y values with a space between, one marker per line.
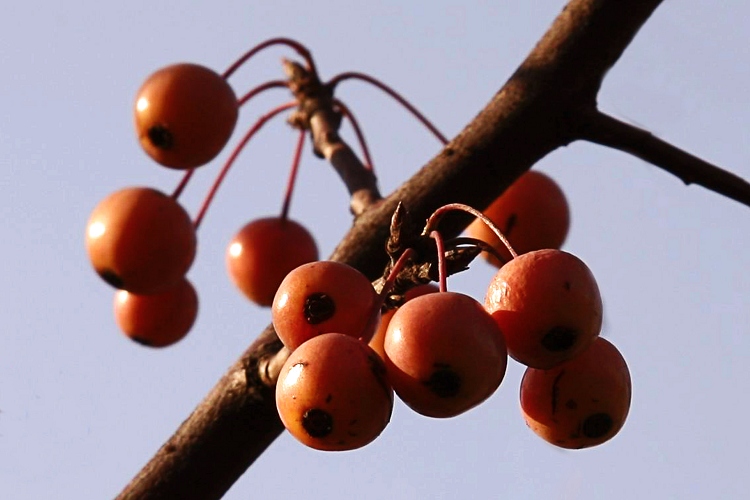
pixel 548 306
pixel 444 354
pixel 184 115
pixel 157 320
pixel 141 240
pixel 580 403
pixel 324 297
pixel 532 213
pixel 332 393
pixel 263 252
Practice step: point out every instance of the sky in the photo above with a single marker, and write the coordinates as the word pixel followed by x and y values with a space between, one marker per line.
pixel 82 408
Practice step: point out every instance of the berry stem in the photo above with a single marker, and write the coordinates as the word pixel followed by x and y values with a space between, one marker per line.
pixel 273 84
pixel 358 131
pixel 292 176
pixel 398 266
pixel 181 186
pixel 235 153
pixel 482 245
pixel 442 271
pixel 391 92
pixel 434 219
pixel 298 47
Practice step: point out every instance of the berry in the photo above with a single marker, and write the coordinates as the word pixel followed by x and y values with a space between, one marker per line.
pixel 580 403
pixel 184 115
pixel 140 240
pixel 157 320
pixel 324 297
pixel 444 354
pixel 548 306
pixel 332 393
pixel 532 213
pixel 263 252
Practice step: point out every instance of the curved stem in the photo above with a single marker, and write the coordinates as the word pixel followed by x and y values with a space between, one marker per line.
pixel 181 186
pixel 298 47
pixel 442 271
pixel 391 92
pixel 235 153
pixel 358 132
pixel 273 84
pixel 434 219
pixel 292 175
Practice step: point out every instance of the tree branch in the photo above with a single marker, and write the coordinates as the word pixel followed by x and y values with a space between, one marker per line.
pixel 608 131
pixel 538 110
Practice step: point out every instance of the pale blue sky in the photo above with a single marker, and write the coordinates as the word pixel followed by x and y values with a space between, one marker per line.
pixel 82 408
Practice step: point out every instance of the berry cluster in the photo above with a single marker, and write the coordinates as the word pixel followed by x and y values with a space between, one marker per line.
pixel 350 346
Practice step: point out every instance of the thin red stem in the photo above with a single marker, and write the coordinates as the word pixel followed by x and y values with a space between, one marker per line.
pixel 260 88
pixel 391 92
pixel 292 175
pixel 358 131
pixel 442 270
pixel 395 271
pixel 235 153
pixel 181 186
pixel 298 47
pixel 434 219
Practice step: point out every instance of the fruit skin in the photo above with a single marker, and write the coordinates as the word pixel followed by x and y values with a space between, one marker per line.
pixel 263 252
pixel 348 299
pixel 332 393
pixel 140 240
pixel 184 115
pixel 548 306
pixel 532 213
pixel 378 339
pixel 580 403
pixel 444 354
pixel 157 320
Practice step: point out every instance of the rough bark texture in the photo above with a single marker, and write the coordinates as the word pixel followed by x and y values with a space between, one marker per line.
pixel 543 106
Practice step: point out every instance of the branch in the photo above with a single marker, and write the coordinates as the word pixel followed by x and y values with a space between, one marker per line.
pixel 538 110
pixel 608 131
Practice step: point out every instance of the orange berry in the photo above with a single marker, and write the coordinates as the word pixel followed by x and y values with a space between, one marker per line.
pixel 548 306
pixel 141 240
pixel 332 393
pixel 184 115
pixel 324 297
pixel 580 403
pixel 157 320
pixel 444 354
pixel 532 213
pixel 263 252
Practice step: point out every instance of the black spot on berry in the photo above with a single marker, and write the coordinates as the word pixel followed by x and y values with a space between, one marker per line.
pixel 571 404
pixel 444 382
pixel 597 425
pixel 556 390
pixel 329 398
pixel 318 308
pixel 317 423
pixel 566 285
pixel 142 341
pixel 559 339
pixel 510 223
pixel 112 278
pixel 161 137
pixel 378 371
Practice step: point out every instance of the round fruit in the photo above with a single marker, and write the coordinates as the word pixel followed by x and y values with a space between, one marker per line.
pixel 263 252
pixel 377 341
pixel 548 306
pixel 532 213
pixel 580 403
pixel 444 354
pixel 184 115
pixel 140 240
pixel 157 320
pixel 324 297
pixel 332 393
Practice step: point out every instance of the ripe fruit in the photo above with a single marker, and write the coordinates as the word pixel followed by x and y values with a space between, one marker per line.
pixel 332 393
pixel 548 306
pixel 140 240
pixel 376 343
pixel 157 320
pixel 580 403
pixel 184 115
pixel 323 297
pixel 444 354
pixel 263 252
pixel 532 213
